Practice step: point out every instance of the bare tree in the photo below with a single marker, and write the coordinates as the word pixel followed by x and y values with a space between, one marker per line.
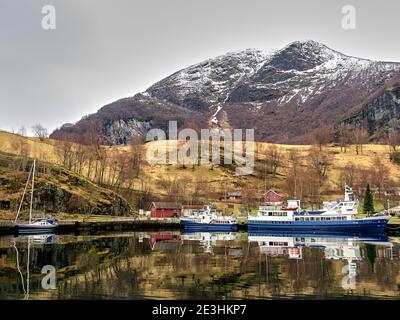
pixel 22 131
pixel 319 162
pixel 321 136
pixel 393 138
pixel 274 158
pixel 293 184
pixel 379 174
pixel 21 148
pixel 40 131
pixel 360 137
pixel 81 156
pixel 348 175
pixel 65 153
pixel 137 154
pixel 344 137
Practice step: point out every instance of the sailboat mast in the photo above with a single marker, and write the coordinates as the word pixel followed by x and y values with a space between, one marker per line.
pixel 23 194
pixel 33 186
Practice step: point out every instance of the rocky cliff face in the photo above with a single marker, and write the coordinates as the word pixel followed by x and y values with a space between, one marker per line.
pixel 282 94
pixel 122 131
pixel 381 112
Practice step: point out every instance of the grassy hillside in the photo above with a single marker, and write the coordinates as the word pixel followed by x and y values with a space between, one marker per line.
pixel 57 190
pixel 207 183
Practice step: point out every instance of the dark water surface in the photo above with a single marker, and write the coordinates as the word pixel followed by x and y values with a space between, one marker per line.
pixel 174 265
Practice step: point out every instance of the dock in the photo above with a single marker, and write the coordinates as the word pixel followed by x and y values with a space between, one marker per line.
pixel 133 224
pixel 97 225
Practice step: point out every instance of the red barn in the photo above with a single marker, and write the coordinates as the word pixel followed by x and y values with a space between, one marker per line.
pixel 273 198
pixel 165 209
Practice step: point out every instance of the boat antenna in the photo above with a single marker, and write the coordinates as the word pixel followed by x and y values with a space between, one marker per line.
pixel 23 195
pixel 33 186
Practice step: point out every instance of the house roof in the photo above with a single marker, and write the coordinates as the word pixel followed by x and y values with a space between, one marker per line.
pixel 166 205
pixel 273 192
pixel 272 196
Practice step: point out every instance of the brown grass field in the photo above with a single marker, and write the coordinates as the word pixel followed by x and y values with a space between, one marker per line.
pixel 215 179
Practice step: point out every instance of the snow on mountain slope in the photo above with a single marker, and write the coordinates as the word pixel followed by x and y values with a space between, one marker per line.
pixel 209 81
pixel 281 94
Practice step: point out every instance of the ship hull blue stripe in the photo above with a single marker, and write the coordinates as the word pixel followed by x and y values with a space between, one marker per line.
pixel 360 225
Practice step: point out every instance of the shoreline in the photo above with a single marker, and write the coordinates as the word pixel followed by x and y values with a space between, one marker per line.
pixel 132 224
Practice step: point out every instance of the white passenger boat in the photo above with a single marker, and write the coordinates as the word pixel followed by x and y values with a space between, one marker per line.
pixel 209 219
pixel 334 216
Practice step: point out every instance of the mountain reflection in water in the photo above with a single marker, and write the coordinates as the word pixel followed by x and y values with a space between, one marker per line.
pixel 200 265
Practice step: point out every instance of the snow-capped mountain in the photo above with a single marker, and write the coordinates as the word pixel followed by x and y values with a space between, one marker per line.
pixel 282 95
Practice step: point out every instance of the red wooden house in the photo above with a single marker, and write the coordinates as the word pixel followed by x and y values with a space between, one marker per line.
pixel 165 209
pixel 273 198
pixel 164 241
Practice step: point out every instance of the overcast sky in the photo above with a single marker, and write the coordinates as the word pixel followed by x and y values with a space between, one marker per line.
pixel 103 50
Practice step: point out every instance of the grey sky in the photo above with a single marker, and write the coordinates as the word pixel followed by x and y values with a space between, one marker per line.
pixel 103 50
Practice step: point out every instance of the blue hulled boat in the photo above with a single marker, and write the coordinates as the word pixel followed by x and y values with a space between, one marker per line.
pixel 335 216
pixel 209 219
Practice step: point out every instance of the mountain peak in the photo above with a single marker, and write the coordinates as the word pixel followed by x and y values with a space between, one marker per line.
pixel 283 94
pixel 303 55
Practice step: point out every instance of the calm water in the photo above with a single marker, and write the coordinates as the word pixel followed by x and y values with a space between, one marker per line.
pixel 173 265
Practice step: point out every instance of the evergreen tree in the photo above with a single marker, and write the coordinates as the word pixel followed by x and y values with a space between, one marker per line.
pixel 368 206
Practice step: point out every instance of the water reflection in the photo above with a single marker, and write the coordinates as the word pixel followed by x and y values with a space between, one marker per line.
pixel 199 265
pixel 335 247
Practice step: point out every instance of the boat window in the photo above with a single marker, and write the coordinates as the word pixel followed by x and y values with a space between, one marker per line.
pixel 297 219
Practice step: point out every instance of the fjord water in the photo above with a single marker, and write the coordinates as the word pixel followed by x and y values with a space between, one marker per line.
pixel 199 265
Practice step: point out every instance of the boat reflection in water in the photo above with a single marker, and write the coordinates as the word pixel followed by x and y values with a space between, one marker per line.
pixel 199 264
pixel 169 241
pixel 338 246
pixel 36 239
pixel 210 240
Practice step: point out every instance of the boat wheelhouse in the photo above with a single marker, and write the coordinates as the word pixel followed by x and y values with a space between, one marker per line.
pixel 334 216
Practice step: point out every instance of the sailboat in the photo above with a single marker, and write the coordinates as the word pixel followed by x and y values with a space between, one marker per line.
pixel 36 225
